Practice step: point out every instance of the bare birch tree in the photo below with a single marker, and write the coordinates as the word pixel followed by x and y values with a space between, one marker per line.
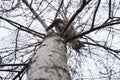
pixel 29 51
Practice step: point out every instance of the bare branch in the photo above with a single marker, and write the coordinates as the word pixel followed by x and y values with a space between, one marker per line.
pixel 59 9
pixel 20 72
pixel 21 27
pixel 110 11
pixel 16 43
pixel 35 14
pixel 93 21
pixel 105 24
pixel 2 65
pixel 75 14
pixel 13 8
pixel 99 45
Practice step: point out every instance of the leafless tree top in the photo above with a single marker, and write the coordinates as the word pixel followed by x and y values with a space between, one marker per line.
pixel 23 26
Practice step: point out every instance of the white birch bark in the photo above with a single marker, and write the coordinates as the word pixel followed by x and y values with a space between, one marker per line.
pixel 50 62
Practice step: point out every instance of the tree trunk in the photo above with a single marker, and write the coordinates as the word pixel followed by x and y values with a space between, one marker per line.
pixel 50 61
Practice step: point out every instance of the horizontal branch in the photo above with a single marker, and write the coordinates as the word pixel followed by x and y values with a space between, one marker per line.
pixel 21 27
pixel 2 65
pixel 106 48
pixel 103 46
pixel 105 24
pixel 8 70
pixel 99 45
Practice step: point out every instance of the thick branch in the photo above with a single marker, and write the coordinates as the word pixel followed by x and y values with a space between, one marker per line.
pixel 110 11
pixel 105 24
pixel 93 21
pixel 35 14
pixel 21 27
pixel 59 9
pixel 75 14
pixel 2 65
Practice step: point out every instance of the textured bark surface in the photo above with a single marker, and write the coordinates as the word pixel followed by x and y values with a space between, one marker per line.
pixel 50 62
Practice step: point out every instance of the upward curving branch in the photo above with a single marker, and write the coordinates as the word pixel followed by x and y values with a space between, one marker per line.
pixel 94 15
pixel 75 14
pixel 105 24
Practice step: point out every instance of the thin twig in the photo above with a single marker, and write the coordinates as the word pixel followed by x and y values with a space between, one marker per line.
pixel 97 44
